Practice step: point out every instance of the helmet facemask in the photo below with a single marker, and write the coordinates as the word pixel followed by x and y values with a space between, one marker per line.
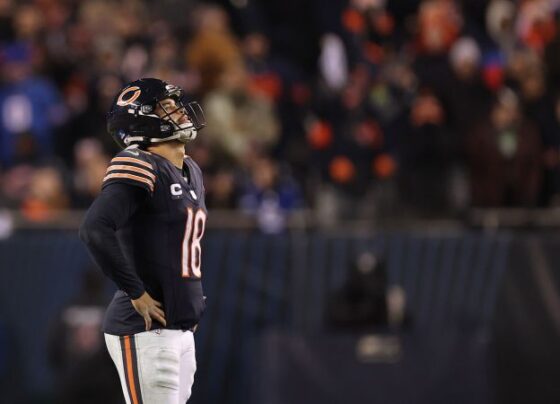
pixel 182 131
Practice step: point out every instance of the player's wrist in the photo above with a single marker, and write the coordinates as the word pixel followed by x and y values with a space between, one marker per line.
pixel 136 294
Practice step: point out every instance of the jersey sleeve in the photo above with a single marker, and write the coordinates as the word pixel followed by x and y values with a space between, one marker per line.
pixel 133 168
pixel 110 211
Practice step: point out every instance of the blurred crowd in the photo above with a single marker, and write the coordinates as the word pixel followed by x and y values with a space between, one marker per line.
pixel 353 108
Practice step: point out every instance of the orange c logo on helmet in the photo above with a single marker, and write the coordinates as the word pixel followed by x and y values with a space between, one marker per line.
pixel 124 102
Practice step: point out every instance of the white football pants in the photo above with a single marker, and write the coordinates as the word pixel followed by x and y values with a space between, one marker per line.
pixel 155 367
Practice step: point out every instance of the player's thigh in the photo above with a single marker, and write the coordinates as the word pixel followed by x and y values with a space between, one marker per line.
pixel 114 347
pixel 159 366
pixel 188 366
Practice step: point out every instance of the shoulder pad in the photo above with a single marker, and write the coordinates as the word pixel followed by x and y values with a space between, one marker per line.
pixel 132 166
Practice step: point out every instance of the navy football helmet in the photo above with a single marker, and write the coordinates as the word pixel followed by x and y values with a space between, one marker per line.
pixel 132 118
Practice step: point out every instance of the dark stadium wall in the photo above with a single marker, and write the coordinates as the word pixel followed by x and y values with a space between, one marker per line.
pixel 267 298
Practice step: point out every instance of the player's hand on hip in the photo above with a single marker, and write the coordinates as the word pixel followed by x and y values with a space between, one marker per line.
pixel 149 309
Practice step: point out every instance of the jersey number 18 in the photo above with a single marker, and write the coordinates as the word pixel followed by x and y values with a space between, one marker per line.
pixel 192 253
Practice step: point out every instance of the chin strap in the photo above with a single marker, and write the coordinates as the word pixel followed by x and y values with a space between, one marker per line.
pixel 183 136
pixel 131 140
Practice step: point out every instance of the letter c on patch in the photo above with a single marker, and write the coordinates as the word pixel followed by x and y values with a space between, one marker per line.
pixel 176 190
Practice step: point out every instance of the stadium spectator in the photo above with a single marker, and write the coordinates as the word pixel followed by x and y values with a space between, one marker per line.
pixel 551 176
pixel 366 302
pixel 47 197
pixel 505 157
pixel 31 108
pixel 240 123
pixel 213 49
pixel 221 190
pixel 269 195
pixel 468 98
pixel 426 153
pixel 500 23
pixel 90 167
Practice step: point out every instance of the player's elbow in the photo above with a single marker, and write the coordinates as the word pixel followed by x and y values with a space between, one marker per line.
pixel 86 230
pixel 90 229
pixel 96 229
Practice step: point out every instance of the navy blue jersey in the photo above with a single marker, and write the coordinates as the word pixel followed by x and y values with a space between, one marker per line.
pixel 161 241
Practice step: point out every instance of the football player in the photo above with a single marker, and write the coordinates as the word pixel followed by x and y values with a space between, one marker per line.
pixel 144 230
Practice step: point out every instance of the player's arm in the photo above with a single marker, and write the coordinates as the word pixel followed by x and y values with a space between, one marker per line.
pixel 108 213
pixel 111 210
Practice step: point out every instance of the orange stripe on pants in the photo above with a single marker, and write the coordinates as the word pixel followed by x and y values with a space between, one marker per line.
pixel 130 370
